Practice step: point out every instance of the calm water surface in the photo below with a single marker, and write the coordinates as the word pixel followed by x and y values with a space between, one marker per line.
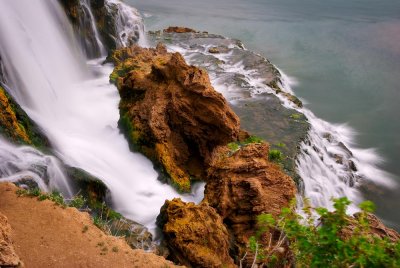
pixel 345 56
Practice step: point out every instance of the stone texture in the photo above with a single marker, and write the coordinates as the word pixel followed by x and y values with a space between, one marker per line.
pixel 170 112
pixel 244 184
pixel 8 257
pixel 195 234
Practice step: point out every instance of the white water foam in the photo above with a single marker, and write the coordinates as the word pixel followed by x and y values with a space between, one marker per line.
pixel 77 111
pixel 88 17
pixel 128 22
pixel 329 163
pixel 27 163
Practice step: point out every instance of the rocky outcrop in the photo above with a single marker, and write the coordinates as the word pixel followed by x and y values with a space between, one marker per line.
pixel 196 234
pixel 177 29
pixel 8 257
pixel 16 126
pixel 170 112
pixel 244 184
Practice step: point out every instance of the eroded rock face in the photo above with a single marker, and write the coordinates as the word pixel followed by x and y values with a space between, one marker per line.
pixel 170 111
pixel 195 233
pixel 8 257
pixel 244 184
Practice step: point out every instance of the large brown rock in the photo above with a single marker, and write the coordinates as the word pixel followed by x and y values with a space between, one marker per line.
pixel 8 257
pixel 195 234
pixel 244 184
pixel 170 111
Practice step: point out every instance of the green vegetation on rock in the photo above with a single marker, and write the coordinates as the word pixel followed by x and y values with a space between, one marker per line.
pixel 330 239
pixel 275 155
pixel 16 126
pixel 234 146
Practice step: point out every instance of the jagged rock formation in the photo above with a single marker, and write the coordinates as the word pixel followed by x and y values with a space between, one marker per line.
pixel 170 111
pixel 244 184
pixel 196 234
pixel 8 256
pixel 282 127
pixel 17 126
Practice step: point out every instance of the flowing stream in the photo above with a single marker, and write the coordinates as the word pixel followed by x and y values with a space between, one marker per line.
pixel 77 108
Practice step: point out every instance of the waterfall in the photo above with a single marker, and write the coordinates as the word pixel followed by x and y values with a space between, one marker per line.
pixel 24 164
pixel 76 106
pixel 87 23
pixel 129 26
pixel 328 162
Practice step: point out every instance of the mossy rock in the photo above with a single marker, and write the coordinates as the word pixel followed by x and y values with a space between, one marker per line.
pixel 16 126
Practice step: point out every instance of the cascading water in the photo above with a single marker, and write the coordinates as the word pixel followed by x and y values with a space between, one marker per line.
pixel 92 42
pixel 24 164
pixel 328 162
pixel 129 25
pixel 77 111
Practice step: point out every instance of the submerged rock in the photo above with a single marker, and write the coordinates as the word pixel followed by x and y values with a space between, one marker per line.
pixel 196 234
pixel 8 256
pixel 170 112
pixel 244 184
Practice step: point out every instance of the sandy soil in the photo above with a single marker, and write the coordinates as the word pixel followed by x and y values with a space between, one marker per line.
pixel 46 235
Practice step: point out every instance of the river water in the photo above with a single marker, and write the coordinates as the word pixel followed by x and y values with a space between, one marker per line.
pixel 343 55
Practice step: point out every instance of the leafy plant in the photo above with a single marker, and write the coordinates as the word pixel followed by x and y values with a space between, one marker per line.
pixel 275 155
pixel 77 202
pixel 330 239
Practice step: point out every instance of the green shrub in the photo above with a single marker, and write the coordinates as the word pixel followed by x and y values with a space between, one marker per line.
pixel 275 155
pixel 233 146
pixel 325 244
pixel 77 202
pixel 253 139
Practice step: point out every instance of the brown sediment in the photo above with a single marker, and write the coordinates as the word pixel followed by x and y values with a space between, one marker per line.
pixel 46 235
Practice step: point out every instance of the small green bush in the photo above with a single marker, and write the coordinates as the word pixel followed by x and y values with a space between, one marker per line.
pixel 253 139
pixel 77 202
pixel 275 155
pixel 324 244
pixel 233 146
